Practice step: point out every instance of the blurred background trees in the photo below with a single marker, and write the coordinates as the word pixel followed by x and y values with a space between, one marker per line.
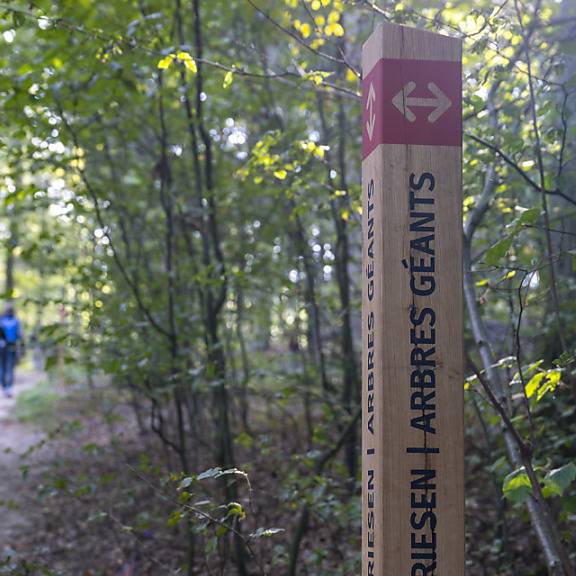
pixel 181 190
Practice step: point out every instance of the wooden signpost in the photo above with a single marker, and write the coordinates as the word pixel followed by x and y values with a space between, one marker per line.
pixel 413 456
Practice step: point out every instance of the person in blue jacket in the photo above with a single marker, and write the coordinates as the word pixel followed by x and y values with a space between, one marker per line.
pixel 10 335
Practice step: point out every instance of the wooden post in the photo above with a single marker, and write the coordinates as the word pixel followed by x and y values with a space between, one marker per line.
pixel 413 456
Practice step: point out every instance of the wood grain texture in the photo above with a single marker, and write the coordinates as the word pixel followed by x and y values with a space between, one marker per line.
pixel 391 492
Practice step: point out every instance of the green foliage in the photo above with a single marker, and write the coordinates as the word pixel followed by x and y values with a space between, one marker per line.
pixel 517 487
pixel 542 382
pixel 499 250
pixel 38 405
pixel 185 222
pixel 558 481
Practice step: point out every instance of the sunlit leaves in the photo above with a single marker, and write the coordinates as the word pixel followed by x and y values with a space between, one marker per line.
pixel 304 28
pixel 188 61
pixel 261 93
pixel 219 472
pixel 542 383
pixel 317 76
pixel 517 487
pixel 166 62
pixel 228 79
pixel 334 28
pixel 322 23
pixel 266 532
pixel 183 57
pixel 351 76
pixel 316 150
pixel 235 510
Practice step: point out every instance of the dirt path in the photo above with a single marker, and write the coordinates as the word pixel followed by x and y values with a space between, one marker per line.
pixel 15 439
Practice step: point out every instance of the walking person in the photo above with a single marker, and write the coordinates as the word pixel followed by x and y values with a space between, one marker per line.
pixel 11 335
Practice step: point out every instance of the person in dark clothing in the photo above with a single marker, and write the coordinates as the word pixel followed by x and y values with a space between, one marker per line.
pixel 10 334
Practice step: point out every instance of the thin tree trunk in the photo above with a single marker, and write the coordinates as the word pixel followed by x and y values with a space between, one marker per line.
pixel 214 302
pixel 11 245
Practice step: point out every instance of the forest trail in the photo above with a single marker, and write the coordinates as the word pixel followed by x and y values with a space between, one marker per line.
pixel 15 439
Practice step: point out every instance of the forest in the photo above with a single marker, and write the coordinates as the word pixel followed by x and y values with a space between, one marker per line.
pixel 181 241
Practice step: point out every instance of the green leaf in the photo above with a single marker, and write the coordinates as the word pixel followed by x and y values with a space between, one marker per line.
pixel 569 504
pixel 549 385
pixel 211 473
pixel 18 19
pixel 174 518
pixel 534 383
pixel 235 509
pixel 498 251
pixel 317 76
pixel 266 532
pixel 542 383
pixel 228 79
pixel 245 440
pixel 165 63
pixel 526 217
pixel 517 487
pixel 509 275
pixel 233 472
pixel 51 362
pixel 557 481
pixel 533 366
pixel 565 359
pixel 188 61
pixel 186 483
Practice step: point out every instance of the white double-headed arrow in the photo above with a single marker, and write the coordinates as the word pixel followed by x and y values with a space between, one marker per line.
pixel 372 115
pixel 403 102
